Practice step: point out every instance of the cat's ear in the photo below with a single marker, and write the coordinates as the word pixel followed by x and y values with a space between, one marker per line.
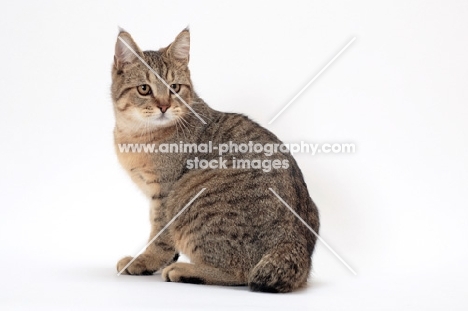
pixel 125 51
pixel 179 50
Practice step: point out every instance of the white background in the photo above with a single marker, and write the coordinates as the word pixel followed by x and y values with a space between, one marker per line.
pixel 396 210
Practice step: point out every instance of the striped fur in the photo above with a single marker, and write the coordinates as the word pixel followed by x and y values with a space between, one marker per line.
pixel 237 232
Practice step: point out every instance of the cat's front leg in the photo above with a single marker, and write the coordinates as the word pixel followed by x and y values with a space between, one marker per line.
pixel 157 255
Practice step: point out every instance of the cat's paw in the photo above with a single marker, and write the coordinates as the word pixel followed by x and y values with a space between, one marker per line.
pixel 137 267
pixel 181 272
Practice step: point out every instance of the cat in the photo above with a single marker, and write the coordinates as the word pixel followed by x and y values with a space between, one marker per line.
pixel 237 232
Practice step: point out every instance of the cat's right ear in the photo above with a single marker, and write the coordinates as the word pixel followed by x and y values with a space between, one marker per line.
pixel 126 50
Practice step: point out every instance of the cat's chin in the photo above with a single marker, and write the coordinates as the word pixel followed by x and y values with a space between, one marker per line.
pixel 162 121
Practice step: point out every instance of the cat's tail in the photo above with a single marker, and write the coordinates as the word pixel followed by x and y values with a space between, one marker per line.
pixel 281 270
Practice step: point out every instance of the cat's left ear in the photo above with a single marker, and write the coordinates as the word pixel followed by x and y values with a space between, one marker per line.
pixel 126 50
pixel 179 50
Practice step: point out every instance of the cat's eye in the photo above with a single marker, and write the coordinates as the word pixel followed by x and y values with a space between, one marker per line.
pixel 144 89
pixel 175 87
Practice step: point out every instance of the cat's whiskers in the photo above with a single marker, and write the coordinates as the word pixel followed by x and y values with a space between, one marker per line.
pixel 181 120
pixel 144 128
pixel 149 130
pixel 200 113
pixel 192 115
pixel 176 127
pixel 193 126
pixel 178 122
pixel 137 128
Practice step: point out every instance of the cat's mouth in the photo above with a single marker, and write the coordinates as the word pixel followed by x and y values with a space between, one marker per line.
pixel 161 119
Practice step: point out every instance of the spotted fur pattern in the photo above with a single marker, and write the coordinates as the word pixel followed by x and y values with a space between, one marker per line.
pixel 236 232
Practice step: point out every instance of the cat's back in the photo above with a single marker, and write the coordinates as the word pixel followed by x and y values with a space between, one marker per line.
pixel 238 213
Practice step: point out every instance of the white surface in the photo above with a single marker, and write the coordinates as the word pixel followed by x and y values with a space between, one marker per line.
pixel 396 210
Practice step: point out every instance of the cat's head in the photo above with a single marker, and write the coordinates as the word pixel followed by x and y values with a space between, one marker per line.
pixel 142 100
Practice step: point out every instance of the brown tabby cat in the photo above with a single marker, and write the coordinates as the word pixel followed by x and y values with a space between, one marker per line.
pixel 236 232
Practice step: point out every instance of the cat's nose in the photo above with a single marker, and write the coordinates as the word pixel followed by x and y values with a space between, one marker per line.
pixel 163 108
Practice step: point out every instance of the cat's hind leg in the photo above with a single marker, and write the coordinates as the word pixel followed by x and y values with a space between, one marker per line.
pixel 199 274
pixel 281 270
